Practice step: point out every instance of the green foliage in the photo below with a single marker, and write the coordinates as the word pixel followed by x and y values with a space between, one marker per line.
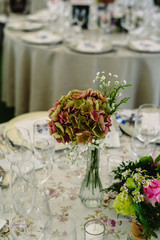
pixel 132 176
pixel 111 87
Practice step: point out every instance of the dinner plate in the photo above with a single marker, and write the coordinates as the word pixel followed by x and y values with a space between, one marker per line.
pixel 128 128
pixel 40 16
pixel 24 26
pixel 91 47
pixel 41 37
pixel 146 46
pixel 30 117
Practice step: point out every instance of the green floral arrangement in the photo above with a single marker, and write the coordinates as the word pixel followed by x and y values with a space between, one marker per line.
pixel 138 191
pixel 84 116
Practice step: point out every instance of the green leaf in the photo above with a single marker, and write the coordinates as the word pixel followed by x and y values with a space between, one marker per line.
pixel 145 160
pixel 157 159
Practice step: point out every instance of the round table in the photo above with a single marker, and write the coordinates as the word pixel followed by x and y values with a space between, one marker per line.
pixel 35 76
pixel 64 190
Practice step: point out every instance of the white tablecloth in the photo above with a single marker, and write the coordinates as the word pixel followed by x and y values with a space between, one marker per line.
pixel 65 193
pixel 35 76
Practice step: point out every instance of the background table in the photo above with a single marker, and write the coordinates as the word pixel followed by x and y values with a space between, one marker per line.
pixel 37 5
pixel 35 76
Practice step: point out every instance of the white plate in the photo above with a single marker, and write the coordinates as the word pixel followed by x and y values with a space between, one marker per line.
pixel 33 116
pixel 24 26
pixel 129 128
pixel 41 38
pixel 91 47
pixel 147 46
pixel 40 16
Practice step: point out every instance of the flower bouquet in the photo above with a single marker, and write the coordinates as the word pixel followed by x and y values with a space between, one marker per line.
pixel 82 117
pixel 139 195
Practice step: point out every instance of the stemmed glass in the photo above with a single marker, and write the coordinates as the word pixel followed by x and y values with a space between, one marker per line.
pixel 104 22
pixel 55 229
pixel 22 203
pixel 128 22
pixel 146 130
pixel 52 7
pixel 41 130
pixel 14 139
pixel 80 16
pixel 28 215
pixel 43 154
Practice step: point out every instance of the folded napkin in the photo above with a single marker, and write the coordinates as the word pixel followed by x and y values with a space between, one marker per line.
pixel 2 223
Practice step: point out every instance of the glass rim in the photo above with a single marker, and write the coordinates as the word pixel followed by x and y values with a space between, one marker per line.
pixel 16 128
pixel 147 105
pixel 98 221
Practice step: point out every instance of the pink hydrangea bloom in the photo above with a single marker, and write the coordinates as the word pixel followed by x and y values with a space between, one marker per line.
pixel 152 192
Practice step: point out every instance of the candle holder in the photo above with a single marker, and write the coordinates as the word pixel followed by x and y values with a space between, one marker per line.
pixel 94 229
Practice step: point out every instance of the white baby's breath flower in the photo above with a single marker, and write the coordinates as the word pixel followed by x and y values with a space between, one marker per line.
pixel 124 82
pixel 103 77
pixel 110 74
pixel 109 83
pixel 115 75
pixel 98 73
pixel 94 80
pixel 103 72
pixel 119 94
pixel 116 82
pixel 97 141
pixel 93 140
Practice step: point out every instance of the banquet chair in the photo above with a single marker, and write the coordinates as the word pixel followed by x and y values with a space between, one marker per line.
pixel 16 6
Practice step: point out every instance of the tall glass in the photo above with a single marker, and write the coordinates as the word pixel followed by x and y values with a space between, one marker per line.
pixel 146 130
pixel 55 229
pixel 14 139
pixel 41 130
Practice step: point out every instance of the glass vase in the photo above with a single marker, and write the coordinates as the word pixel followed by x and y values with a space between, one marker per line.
pixel 136 232
pixel 90 192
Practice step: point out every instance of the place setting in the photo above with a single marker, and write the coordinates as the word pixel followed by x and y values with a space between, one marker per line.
pixel 91 47
pixel 144 46
pixel 42 38
pixel 25 26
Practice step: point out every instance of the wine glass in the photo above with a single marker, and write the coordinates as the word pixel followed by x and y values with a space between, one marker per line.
pixel 60 230
pixel 41 130
pixel 22 203
pixel 14 139
pixel 52 7
pixel 146 129
pixel 80 16
pixel 43 154
pixel 39 214
pixel 104 22
pixel 27 217
pixel 128 22
pixel 31 228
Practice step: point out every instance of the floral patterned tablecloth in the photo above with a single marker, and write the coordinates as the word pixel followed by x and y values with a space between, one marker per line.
pixel 63 191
